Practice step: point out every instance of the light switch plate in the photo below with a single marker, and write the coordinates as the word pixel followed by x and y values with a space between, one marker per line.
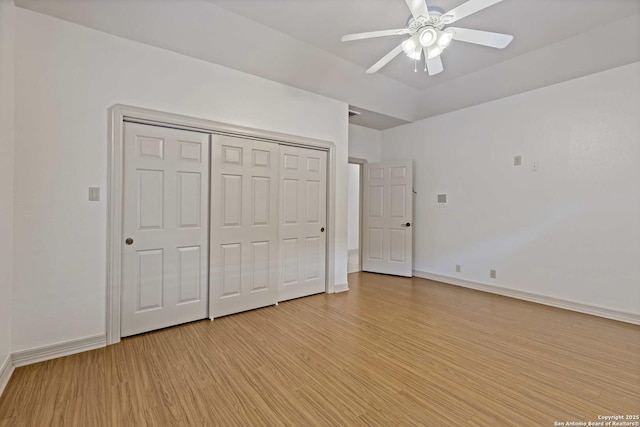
pixel 517 161
pixel 94 194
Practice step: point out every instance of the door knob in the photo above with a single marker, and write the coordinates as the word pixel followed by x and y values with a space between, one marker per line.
pixel 407 224
pixel 129 241
pixel 322 230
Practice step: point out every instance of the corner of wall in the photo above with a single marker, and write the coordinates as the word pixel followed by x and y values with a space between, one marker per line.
pixel 6 370
pixel 7 125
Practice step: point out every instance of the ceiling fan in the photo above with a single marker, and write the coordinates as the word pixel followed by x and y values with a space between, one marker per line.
pixel 429 34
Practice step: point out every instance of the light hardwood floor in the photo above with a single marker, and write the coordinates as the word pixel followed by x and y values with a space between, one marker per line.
pixel 390 352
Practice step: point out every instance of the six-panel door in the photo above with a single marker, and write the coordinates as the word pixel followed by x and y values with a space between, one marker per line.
pixel 244 224
pixel 387 218
pixel 303 214
pixel 166 200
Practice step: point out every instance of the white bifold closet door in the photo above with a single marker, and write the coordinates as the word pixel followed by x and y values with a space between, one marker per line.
pixel 244 224
pixel 387 218
pixel 165 241
pixel 303 215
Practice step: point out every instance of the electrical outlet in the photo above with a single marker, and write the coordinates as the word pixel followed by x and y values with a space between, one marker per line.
pixel 517 161
pixel 457 268
pixel 492 274
pixel 534 166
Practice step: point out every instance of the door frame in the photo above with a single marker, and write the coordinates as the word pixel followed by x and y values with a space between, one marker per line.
pixel 119 114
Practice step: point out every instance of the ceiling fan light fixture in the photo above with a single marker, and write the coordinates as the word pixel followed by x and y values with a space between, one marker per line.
pixel 444 38
pixel 409 46
pixel 433 51
pixel 416 54
pixel 428 36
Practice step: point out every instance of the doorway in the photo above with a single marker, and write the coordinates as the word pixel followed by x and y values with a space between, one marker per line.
pixel 354 215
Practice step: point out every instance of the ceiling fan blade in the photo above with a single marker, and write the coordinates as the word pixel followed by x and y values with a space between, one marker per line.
pixel 485 38
pixel 385 59
pixel 434 66
pixel 418 8
pixel 372 34
pixel 466 9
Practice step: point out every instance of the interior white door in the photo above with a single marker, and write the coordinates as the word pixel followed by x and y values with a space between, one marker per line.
pixel 166 200
pixel 244 224
pixel 303 214
pixel 387 218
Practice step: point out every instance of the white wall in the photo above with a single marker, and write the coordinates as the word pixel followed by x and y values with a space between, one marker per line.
pixel 570 230
pixel 67 76
pixel 213 35
pixel 365 143
pixel 7 29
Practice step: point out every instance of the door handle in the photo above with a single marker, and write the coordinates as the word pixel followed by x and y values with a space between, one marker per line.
pixel 322 230
pixel 406 225
pixel 129 241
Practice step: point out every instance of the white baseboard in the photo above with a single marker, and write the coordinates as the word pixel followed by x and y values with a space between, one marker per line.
pixel 342 287
pixel 52 351
pixel 608 313
pixel 6 369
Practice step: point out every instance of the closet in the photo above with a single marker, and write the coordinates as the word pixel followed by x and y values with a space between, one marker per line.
pixel 217 224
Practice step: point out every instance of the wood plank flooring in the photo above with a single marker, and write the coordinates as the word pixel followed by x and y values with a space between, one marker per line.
pixel 390 352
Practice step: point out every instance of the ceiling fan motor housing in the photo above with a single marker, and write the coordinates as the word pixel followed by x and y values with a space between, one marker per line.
pixel 435 21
